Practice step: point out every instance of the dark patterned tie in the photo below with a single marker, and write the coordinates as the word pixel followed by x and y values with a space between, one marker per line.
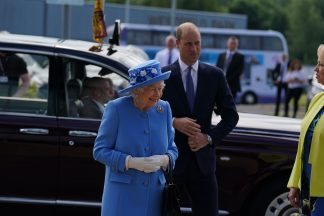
pixel 228 60
pixel 170 57
pixel 190 89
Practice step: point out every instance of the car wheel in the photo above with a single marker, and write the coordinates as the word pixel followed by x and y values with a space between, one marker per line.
pixel 272 200
pixel 281 206
pixel 249 98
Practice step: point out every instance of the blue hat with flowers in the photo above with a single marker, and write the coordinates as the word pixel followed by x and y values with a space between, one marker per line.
pixel 145 74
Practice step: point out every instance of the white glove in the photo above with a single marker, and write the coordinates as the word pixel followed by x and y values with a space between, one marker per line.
pixel 159 160
pixel 142 164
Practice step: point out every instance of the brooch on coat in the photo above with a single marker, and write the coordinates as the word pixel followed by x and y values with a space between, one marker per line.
pixel 159 109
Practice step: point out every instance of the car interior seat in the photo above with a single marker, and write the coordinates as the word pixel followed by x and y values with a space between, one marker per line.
pixel 74 89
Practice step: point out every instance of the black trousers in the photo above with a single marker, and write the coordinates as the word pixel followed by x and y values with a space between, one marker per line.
pixel 202 190
pixel 295 94
pixel 280 87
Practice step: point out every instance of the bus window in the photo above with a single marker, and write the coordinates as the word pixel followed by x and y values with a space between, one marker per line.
pixel 221 41
pixel 215 41
pixel 249 42
pixel 158 38
pixel 272 43
pixel 142 37
pixel 207 41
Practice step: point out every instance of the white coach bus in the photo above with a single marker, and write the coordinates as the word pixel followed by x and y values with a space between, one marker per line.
pixel 262 50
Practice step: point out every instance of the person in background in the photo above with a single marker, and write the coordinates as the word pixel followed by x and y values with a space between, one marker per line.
pixel 193 90
pixel 169 54
pixel 114 92
pixel 296 81
pixel 232 63
pixel 14 77
pixel 306 181
pixel 279 78
pixel 97 92
pixel 135 142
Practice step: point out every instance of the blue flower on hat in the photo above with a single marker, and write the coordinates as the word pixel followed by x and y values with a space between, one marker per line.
pixel 154 71
pixel 145 74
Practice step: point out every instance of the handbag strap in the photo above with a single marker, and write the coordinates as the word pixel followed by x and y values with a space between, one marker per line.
pixel 168 172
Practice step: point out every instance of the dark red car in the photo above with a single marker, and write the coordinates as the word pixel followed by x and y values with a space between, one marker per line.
pixel 46 163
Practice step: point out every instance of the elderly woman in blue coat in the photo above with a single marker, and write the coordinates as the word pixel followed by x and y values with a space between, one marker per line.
pixel 135 142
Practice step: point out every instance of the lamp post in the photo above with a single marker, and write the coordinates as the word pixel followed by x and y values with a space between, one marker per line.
pixel 173 11
pixel 127 8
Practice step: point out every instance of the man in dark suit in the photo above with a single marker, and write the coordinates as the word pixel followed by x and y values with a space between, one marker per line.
pixel 193 90
pixel 279 79
pixel 232 63
pixel 97 92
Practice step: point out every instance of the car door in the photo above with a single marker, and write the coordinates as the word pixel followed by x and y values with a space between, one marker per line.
pixel 81 177
pixel 29 138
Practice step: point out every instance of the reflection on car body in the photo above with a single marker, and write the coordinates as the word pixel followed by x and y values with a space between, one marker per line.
pixel 46 158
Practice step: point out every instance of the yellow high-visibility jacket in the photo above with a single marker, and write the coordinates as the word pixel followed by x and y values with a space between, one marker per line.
pixel 316 154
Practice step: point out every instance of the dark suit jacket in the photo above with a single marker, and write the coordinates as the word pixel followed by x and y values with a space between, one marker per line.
pixel 212 90
pixel 90 109
pixel 234 70
pixel 276 71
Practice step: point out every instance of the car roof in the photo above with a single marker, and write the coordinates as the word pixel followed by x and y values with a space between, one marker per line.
pixel 28 39
pixel 116 53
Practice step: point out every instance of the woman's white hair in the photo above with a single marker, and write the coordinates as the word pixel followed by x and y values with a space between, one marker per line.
pixel 134 91
pixel 141 89
pixel 320 53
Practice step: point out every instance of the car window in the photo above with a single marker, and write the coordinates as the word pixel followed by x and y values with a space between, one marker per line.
pixel 89 88
pixel 23 83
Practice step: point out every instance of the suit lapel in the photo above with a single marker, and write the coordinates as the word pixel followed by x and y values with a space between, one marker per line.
pixel 223 58
pixel 177 77
pixel 180 92
pixel 313 112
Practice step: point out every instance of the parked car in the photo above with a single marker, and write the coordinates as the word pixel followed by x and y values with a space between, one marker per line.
pixel 46 163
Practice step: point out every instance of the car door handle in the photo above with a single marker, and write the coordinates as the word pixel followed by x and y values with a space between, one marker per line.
pixel 33 130
pixel 82 133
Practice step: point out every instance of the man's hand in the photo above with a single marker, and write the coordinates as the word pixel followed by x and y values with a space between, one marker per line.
pixel 186 126
pixel 197 141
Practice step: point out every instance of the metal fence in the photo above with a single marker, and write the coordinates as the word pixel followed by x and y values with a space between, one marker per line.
pixel 37 17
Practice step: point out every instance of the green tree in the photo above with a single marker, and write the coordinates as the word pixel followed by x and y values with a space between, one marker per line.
pixel 203 5
pixel 262 14
pixel 250 8
pixel 306 29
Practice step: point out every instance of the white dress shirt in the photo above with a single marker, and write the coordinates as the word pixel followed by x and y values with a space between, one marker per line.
pixel 298 77
pixel 163 56
pixel 194 73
